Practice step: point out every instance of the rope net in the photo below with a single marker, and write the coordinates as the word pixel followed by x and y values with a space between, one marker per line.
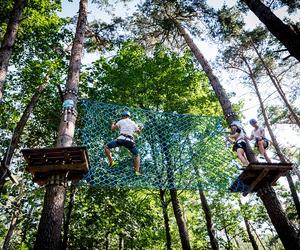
pixel 177 151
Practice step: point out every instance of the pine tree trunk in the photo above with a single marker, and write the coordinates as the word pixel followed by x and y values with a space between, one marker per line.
pixel 236 242
pixel 18 132
pixel 228 111
pixel 283 226
pixel 182 228
pixel 251 237
pixel 49 231
pixel 228 245
pixel 9 40
pixel 183 232
pixel 68 219
pixel 210 229
pixel 277 85
pixel 253 229
pixel 166 218
pixel 274 140
pixel 121 243
pixel 288 35
pixel 107 242
pixel 12 226
pixel 48 235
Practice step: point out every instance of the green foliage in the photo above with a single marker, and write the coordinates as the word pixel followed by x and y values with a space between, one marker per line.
pixel 162 81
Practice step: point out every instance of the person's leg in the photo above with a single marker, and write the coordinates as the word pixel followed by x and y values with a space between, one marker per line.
pixel 242 157
pixel 136 157
pixel 262 150
pixel 137 160
pixel 107 151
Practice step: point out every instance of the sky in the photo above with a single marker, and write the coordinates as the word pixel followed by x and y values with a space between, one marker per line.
pixel 285 134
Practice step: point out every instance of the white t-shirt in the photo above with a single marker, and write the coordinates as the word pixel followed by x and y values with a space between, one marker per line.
pixel 259 132
pixel 127 126
pixel 241 135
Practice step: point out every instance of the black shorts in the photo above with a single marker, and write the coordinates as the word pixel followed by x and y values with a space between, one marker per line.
pixel 239 144
pixel 266 142
pixel 130 145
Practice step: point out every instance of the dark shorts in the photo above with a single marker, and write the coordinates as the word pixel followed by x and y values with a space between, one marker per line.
pixel 239 144
pixel 266 143
pixel 125 143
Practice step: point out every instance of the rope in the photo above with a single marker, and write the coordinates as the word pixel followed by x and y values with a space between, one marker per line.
pixel 181 151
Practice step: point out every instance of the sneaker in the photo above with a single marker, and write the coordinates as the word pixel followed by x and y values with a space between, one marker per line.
pixel 113 164
pixel 137 173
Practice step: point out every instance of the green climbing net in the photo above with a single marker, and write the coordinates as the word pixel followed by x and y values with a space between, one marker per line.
pixel 179 151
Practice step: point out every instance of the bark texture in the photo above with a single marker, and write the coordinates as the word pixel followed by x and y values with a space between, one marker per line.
pixel 250 235
pixel 164 206
pixel 48 235
pixel 184 236
pixel 210 228
pixel 288 35
pixel 49 231
pixel 9 40
pixel 67 219
pixel 283 226
pixel 12 226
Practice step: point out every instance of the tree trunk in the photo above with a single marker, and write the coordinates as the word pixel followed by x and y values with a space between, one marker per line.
pixel 121 243
pixel 253 229
pixel 274 140
pixel 210 228
pixel 183 232
pixel 288 35
pixel 182 228
pixel 251 237
pixel 228 245
pixel 9 40
pixel 283 226
pixel 49 231
pixel 107 243
pixel 12 226
pixel 68 219
pixel 236 242
pixel 277 85
pixel 18 132
pixel 164 206
pixel 228 111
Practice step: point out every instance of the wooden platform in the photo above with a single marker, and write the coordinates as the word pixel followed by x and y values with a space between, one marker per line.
pixel 71 161
pixel 255 175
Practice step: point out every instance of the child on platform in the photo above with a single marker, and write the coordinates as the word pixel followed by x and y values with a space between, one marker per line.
pixel 261 142
pixel 237 136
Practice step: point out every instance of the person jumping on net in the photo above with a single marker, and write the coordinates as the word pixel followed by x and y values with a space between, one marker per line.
pixel 261 142
pixel 237 136
pixel 127 128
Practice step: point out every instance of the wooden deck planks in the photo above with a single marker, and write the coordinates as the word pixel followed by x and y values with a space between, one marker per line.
pixel 45 161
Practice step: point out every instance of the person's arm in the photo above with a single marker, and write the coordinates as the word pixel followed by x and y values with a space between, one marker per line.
pixel 114 126
pixel 235 135
pixel 137 128
pixel 250 138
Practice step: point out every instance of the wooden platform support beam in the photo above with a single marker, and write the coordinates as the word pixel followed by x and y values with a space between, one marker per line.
pixel 257 175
